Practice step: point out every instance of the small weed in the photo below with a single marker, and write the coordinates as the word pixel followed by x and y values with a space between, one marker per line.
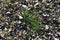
pixel 30 18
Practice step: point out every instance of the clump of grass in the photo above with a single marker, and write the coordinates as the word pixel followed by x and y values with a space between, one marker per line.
pixel 30 18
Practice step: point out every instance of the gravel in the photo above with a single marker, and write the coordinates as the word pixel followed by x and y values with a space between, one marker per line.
pixel 12 26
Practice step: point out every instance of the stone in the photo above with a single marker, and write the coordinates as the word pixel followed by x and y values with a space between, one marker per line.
pixel 46 27
pixel 20 17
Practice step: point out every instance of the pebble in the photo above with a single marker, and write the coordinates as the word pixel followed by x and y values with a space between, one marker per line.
pixel 58 19
pixel 16 3
pixel 24 6
pixel 5 29
pixel 36 5
pixel 10 30
pixel 19 22
pixel 56 39
pixel 46 27
pixel 8 13
pixel 20 17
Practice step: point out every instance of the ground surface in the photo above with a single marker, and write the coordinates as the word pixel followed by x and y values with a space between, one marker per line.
pixel 13 28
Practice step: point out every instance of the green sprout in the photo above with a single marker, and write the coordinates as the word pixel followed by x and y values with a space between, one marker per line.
pixel 31 18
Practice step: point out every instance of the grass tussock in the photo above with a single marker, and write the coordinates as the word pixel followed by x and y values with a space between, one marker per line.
pixel 30 18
